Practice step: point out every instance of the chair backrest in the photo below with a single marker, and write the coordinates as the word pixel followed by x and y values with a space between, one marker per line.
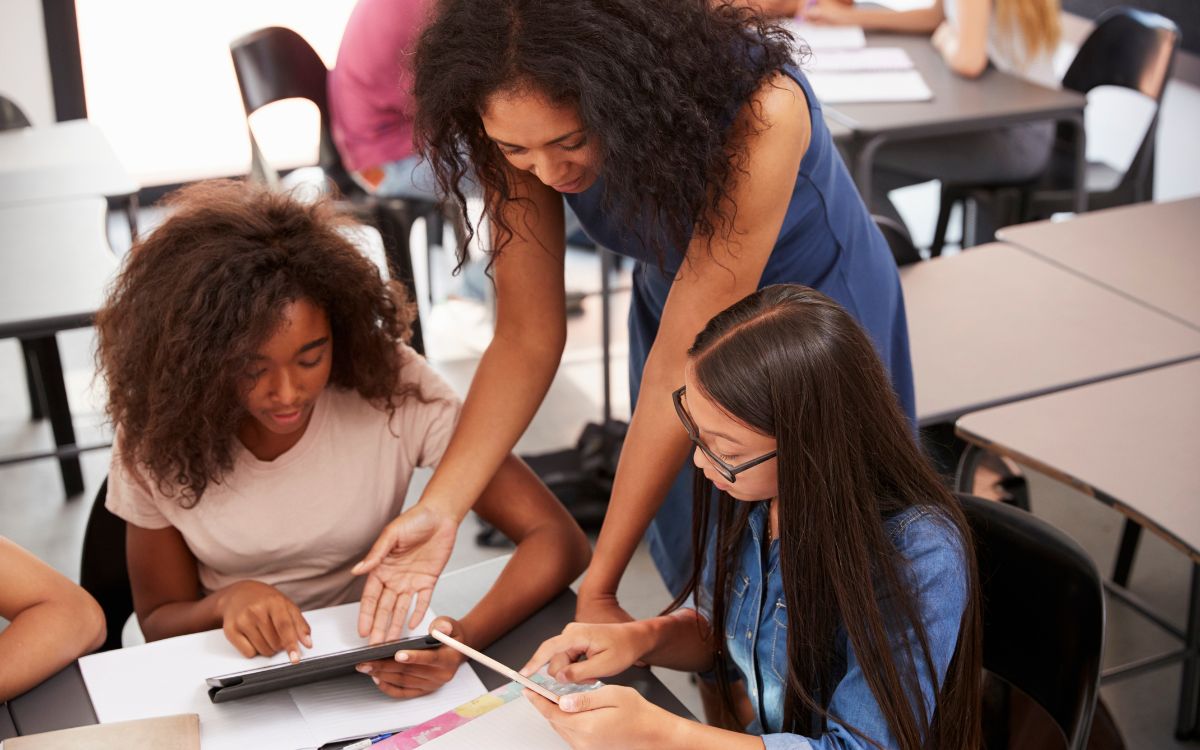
pixel 104 571
pixel 1043 613
pixel 11 116
pixel 274 64
pixel 901 244
pixel 1133 49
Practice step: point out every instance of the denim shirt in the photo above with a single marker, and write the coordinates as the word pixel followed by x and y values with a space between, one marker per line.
pixel 756 629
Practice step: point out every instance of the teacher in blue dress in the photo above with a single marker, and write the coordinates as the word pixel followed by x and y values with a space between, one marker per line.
pixel 683 136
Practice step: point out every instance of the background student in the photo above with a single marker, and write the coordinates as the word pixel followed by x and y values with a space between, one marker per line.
pixel 51 621
pixel 1016 36
pixel 268 421
pixel 837 573
pixel 682 136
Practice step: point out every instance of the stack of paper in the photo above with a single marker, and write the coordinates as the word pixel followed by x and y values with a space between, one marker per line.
pixel 168 677
pixel 820 37
pixel 891 86
pixel 865 60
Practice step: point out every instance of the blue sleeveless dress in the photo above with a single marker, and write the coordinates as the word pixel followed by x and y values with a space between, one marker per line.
pixel 828 242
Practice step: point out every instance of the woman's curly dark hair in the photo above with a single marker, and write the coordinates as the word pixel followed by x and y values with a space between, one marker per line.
pixel 199 295
pixel 658 84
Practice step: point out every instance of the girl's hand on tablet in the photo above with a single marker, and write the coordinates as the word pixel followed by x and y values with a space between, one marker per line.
pixel 413 673
pixel 608 717
pixel 609 649
pixel 402 568
pixel 259 619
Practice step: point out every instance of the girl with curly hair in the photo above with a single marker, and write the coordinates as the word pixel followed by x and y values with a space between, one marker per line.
pixel 269 417
pixel 837 579
pixel 684 136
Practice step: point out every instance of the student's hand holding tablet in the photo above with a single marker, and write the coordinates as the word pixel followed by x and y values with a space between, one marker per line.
pixel 412 673
pixel 258 619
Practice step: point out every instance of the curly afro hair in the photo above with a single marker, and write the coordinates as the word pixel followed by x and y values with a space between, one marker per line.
pixel 196 299
pixel 658 84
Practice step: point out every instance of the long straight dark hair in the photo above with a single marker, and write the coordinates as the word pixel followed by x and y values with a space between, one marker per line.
pixel 789 362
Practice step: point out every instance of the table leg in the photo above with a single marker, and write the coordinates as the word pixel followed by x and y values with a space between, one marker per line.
pixel 49 369
pixel 1081 191
pixel 33 382
pixel 1189 693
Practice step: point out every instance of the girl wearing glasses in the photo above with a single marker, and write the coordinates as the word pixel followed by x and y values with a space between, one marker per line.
pixel 835 576
pixel 684 137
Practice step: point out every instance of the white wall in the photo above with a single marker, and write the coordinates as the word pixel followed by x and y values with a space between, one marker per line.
pixel 24 67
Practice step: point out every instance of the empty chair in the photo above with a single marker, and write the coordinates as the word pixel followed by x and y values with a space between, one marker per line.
pixel 1130 48
pixel 900 243
pixel 1043 621
pixel 274 64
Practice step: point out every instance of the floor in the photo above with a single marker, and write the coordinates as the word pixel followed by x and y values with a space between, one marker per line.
pixel 34 513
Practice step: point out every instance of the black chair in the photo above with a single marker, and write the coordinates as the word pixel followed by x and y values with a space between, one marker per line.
pixel 11 116
pixel 273 64
pixel 898 239
pixel 1130 48
pixel 104 570
pixel 1043 621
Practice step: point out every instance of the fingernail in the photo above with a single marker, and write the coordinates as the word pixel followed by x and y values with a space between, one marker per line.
pixel 294 656
pixel 363 668
pixel 402 656
pixel 567 703
pixel 375 679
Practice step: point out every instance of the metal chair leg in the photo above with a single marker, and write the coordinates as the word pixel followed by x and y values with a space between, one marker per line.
pixel 49 368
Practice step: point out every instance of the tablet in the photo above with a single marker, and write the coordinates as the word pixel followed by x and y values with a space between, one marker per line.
pixel 230 687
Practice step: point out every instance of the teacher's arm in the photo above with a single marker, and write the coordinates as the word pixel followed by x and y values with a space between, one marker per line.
pixel 512 379
pixel 719 271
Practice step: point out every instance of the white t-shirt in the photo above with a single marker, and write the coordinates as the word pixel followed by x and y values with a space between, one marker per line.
pixel 302 521
pixel 1006 50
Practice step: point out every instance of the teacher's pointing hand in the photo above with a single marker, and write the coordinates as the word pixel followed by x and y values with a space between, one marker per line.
pixel 402 567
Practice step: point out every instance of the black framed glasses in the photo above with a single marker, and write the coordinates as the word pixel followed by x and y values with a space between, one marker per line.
pixel 725 470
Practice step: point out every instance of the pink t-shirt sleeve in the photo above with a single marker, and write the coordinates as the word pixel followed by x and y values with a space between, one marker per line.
pixel 132 498
pixel 425 428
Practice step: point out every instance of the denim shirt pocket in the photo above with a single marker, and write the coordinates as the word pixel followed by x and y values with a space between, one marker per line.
pixel 779 655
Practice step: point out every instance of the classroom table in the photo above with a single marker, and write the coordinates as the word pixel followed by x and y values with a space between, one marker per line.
pixel 1147 252
pixel 959 105
pixel 55 268
pixel 65 160
pixel 997 324
pixel 1132 444
pixel 62 701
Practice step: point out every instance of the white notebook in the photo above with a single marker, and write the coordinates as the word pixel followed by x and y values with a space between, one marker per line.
pixel 818 37
pixel 867 59
pixel 855 88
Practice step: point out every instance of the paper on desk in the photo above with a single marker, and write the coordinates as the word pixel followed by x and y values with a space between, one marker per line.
pixel 167 677
pixel 514 726
pixel 852 88
pixel 859 60
pixel 819 37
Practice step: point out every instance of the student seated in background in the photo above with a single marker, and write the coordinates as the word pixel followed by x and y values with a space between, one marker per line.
pixel 269 417
pixel 1017 37
pixel 834 570
pixel 51 621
